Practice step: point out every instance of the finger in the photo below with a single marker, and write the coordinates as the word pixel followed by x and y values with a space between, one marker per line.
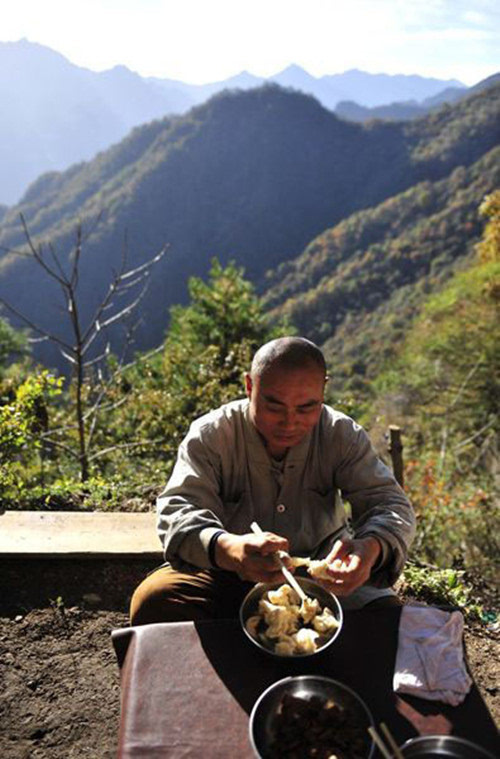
pixel 350 564
pixel 260 563
pixel 354 562
pixel 341 548
pixel 262 544
pixel 287 561
pixel 274 542
pixel 338 568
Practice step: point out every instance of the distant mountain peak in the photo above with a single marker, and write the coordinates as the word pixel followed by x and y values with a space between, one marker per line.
pixel 120 68
pixel 294 76
pixel 26 48
pixel 31 59
pixel 121 72
pixel 294 68
pixel 245 78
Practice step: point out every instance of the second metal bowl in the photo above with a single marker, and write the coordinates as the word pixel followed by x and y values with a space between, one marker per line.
pixel 443 747
pixel 268 709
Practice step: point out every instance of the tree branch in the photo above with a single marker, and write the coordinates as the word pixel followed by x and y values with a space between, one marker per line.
pixel 38 255
pixel 45 333
pixel 123 446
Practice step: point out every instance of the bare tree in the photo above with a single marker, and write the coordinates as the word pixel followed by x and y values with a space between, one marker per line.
pixel 90 335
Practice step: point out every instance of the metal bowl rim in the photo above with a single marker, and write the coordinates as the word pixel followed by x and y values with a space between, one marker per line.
pixel 421 740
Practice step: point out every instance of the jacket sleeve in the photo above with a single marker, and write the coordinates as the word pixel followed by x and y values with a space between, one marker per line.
pixel 379 505
pixel 190 508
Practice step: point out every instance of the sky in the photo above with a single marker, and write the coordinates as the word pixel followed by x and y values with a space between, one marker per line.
pixel 199 41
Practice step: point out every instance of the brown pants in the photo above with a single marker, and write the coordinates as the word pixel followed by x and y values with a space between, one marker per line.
pixel 170 596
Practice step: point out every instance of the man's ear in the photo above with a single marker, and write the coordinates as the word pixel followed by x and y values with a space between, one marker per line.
pixel 248 384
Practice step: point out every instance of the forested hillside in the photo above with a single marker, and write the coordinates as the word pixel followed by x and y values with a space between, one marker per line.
pixel 357 286
pixel 250 176
pixel 443 385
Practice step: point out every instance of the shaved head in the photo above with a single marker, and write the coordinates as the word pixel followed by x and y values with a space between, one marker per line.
pixel 287 354
pixel 286 387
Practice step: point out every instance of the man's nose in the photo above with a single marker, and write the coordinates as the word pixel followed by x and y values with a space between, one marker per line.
pixel 289 418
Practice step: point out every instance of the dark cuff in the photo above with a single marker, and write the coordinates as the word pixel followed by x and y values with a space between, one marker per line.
pixel 211 548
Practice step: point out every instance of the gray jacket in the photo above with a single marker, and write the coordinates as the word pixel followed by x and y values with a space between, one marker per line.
pixel 225 478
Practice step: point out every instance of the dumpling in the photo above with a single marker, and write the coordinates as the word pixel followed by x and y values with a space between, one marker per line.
pixel 285 646
pixel 280 620
pixel 284 596
pixel 319 569
pixel 251 625
pixel 309 608
pixel 305 640
pixel 325 622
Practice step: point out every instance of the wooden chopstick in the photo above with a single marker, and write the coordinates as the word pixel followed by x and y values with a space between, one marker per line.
pixel 392 743
pixel 393 752
pixel 380 743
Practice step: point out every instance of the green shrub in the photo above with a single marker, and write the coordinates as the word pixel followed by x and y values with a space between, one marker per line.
pixel 456 523
pixel 440 587
pixel 23 420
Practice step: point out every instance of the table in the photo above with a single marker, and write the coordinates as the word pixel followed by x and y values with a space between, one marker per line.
pixel 189 687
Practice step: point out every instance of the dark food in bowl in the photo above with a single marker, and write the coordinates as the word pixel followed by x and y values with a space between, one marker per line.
pixel 310 716
pixel 316 728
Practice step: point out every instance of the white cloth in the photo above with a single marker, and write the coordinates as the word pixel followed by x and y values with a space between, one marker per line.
pixel 430 657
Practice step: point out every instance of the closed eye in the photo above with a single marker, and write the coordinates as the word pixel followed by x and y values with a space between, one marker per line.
pixel 308 407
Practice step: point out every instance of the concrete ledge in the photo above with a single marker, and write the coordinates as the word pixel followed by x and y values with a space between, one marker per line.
pixel 78 534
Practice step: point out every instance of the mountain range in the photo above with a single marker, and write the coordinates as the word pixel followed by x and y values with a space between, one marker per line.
pixel 331 219
pixel 56 114
pixel 410 109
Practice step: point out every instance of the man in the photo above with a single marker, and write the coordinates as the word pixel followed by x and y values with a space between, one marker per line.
pixel 280 458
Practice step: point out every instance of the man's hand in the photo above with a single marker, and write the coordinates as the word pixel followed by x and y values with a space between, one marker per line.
pixel 252 557
pixel 350 563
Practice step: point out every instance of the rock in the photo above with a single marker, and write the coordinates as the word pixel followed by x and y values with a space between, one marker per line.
pixel 92 599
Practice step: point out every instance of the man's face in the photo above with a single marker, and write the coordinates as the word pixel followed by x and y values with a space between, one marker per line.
pixel 285 405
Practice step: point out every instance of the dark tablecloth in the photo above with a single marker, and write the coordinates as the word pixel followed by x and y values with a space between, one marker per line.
pixel 188 688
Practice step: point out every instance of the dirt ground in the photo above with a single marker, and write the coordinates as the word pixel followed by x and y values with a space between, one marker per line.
pixel 60 692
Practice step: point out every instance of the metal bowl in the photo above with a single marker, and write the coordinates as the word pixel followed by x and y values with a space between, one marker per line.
pixel 439 746
pixel 264 730
pixel 250 604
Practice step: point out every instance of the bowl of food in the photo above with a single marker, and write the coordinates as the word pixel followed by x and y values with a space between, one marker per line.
pixel 277 621
pixel 310 716
pixel 442 747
